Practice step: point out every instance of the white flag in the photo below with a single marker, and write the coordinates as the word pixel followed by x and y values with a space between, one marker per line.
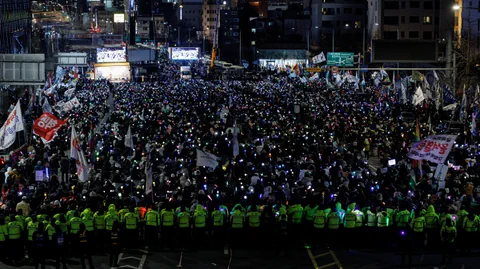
pixel 236 149
pixel 77 154
pixel 129 138
pixel 12 125
pixel 321 57
pixel 149 181
pixel 46 106
pixel 206 159
pixel 418 97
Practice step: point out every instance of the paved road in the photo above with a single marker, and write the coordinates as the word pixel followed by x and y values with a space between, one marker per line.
pixel 299 258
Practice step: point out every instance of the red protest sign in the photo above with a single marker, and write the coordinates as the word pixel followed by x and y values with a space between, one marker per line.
pixel 47 125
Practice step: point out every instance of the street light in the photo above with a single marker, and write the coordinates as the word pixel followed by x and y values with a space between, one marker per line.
pixel 456 7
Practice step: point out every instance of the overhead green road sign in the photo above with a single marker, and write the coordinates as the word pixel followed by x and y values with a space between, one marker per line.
pixel 340 58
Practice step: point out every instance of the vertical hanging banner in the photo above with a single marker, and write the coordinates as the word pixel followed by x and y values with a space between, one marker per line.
pixel 12 125
pixel 77 154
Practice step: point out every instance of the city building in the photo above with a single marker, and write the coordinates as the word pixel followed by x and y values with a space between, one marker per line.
pixel 467 22
pixel 189 18
pixel 413 28
pixel 338 25
pixel 230 36
pixel 209 17
pixel 16 26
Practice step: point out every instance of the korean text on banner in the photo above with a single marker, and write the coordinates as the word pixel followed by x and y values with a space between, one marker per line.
pixel 434 148
pixel 47 125
pixel 12 125
pixel 206 159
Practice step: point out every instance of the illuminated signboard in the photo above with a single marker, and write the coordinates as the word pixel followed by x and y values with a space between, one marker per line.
pixel 111 55
pixel 119 18
pixel 184 53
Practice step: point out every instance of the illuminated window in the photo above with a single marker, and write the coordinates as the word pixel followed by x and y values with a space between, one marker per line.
pixel 427 20
pixel 358 24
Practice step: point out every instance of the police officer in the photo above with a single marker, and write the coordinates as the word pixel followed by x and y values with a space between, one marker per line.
pixel 15 230
pixel 448 234
pixel 3 238
pixel 333 224
pixel 383 222
pixel 199 224
pixel 319 223
pixel 81 246
pixel 470 231
pixel 431 226
pixel 183 222
pixel 40 240
pixel 152 223
pixel 99 223
pixel 74 224
pixel 218 217
pixel 295 214
pixel 237 219
pixel 417 226
pixel 32 226
pixel 59 243
pixel 349 224
pixel 111 217
pixel 253 220
pixel 131 228
pixel 115 243
pixel 167 216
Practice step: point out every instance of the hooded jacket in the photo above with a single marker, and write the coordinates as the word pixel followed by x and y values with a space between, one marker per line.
pixel 431 218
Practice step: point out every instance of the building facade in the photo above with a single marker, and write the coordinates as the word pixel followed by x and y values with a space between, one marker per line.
pixel 16 26
pixel 337 20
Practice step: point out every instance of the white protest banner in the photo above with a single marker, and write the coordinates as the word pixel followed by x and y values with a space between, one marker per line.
pixel 12 125
pixel 75 102
pixel 434 148
pixel 206 159
pixel 69 92
pixel 441 172
pixel 39 175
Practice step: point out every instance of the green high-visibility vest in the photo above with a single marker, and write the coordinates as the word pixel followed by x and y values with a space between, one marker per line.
pixel 50 230
pixel 200 218
pixel 254 219
pixel 237 220
pixel 75 225
pixel 152 218
pixel 319 219
pixel 31 228
pixel 218 218
pixel 3 233
pixel 350 220
pixel 333 221
pixel 418 224
pixel 109 220
pixel 99 221
pixel 309 212
pixel 167 218
pixel 183 220
pixel 88 221
pixel 14 230
pixel 131 221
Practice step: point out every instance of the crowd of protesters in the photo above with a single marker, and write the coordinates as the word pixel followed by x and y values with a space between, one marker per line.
pixel 302 171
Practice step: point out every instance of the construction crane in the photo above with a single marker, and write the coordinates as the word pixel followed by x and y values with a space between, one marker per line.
pixel 215 39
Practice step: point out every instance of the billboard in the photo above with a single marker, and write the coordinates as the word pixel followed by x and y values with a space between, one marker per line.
pixel 404 51
pixel 340 58
pixel 118 18
pixel 113 72
pixel 184 53
pixel 111 55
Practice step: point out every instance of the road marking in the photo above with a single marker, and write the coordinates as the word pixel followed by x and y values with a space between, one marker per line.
pixel 141 260
pixel 315 265
pixel 321 255
pixel 179 265
pixel 326 265
pixel 230 261
pixel 335 259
